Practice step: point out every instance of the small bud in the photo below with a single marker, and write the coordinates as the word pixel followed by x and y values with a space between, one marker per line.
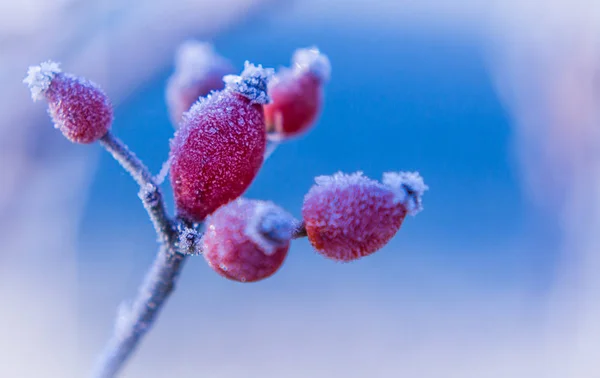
pixel 247 240
pixel 219 148
pixel 78 107
pixel 297 94
pixel 198 71
pixel 351 216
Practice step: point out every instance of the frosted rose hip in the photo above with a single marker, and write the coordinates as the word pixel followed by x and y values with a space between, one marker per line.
pixel 77 106
pixel 351 216
pixel 198 71
pixel 219 147
pixel 297 94
pixel 247 240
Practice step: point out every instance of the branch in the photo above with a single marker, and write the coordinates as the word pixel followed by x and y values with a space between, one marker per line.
pixel 178 239
pixel 149 191
pixel 133 323
pixel 271 147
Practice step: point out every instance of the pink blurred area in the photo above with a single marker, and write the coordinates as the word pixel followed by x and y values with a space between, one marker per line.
pixel 544 61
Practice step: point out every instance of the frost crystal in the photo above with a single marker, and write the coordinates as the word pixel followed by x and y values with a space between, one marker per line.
pixel 270 227
pixel 408 188
pixel 252 83
pixel 341 179
pixel 188 239
pixel 313 60
pixel 39 78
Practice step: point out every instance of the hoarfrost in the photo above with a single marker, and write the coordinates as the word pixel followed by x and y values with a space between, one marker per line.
pixel 408 188
pixel 39 78
pixel 270 227
pixel 252 83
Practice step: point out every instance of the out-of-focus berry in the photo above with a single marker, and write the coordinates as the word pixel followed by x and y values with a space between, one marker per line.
pixel 77 106
pixel 351 216
pixel 219 147
pixel 247 240
pixel 198 71
pixel 297 94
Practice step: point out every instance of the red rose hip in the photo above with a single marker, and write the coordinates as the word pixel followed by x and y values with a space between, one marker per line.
pixel 219 148
pixel 77 106
pixel 297 94
pixel 351 216
pixel 198 71
pixel 247 240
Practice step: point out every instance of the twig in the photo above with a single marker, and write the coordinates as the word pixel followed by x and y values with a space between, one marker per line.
pixel 149 191
pixel 178 239
pixel 133 322
pixel 164 171
pixel 271 147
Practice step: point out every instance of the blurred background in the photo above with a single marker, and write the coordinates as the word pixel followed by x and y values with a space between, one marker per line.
pixel 495 103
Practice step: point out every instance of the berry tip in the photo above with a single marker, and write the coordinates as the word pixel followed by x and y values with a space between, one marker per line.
pixel 251 83
pixel 39 77
pixel 408 188
pixel 313 60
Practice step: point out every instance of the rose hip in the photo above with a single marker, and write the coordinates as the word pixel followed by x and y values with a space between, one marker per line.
pixel 77 106
pixel 219 148
pixel 351 216
pixel 247 240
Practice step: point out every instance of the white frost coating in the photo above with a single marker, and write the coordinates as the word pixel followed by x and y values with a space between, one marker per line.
pixel 270 227
pixel 194 60
pixel 164 172
pixel 313 60
pixel 341 180
pixel 188 240
pixel 39 78
pixel 252 83
pixel 408 188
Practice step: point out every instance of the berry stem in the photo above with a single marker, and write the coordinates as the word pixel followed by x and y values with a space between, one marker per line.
pixel 133 322
pixel 149 191
pixel 271 147
pixel 300 231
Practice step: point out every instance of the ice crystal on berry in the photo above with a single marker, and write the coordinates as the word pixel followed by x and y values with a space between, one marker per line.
pixel 409 188
pixel 270 226
pixel 39 78
pixel 252 83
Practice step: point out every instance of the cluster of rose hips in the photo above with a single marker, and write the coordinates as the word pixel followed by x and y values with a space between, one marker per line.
pixel 223 124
